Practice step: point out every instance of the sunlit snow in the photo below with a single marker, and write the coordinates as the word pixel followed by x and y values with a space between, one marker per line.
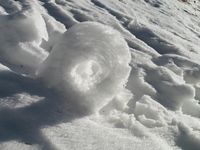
pixel 99 74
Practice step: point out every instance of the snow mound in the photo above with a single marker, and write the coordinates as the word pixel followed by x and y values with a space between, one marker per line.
pixel 89 65
pixel 87 72
pixel 20 45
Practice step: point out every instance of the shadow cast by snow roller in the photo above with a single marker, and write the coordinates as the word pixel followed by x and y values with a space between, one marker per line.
pixel 25 122
pixel 88 65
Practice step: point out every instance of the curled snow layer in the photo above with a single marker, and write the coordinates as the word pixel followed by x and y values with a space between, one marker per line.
pixel 89 65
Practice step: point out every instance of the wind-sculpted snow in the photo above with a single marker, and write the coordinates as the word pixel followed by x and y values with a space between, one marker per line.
pixel 22 31
pixel 89 64
pixel 127 79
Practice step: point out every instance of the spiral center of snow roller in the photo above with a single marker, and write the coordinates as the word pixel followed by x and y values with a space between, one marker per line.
pixel 85 75
pixel 89 65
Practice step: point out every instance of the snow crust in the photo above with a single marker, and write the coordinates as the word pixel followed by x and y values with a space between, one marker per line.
pixel 99 74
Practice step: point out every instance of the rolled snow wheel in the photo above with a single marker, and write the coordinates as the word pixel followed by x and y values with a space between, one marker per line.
pixel 89 65
pixel 86 74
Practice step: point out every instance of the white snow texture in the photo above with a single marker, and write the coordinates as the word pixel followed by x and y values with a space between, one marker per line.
pixel 99 75
pixel 89 64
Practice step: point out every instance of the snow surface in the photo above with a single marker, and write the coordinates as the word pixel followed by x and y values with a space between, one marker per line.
pixel 99 74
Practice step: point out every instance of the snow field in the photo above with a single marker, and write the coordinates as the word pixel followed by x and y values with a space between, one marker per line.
pixel 134 76
pixel 22 32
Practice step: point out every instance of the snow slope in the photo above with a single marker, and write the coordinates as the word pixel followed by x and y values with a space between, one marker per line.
pixel 128 78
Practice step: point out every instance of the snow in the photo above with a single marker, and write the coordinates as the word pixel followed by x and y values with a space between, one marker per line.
pixel 20 44
pixel 99 74
pixel 89 65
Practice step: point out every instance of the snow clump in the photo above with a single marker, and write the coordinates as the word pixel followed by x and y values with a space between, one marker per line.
pixel 22 32
pixel 89 65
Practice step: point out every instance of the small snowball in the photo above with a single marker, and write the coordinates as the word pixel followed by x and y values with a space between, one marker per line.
pixel 89 65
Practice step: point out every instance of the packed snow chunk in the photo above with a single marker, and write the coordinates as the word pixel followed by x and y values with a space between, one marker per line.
pixel 150 113
pixel 138 86
pixel 172 91
pixel 89 64
pixel 21 34
pixel 119 102
pixel 189 69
